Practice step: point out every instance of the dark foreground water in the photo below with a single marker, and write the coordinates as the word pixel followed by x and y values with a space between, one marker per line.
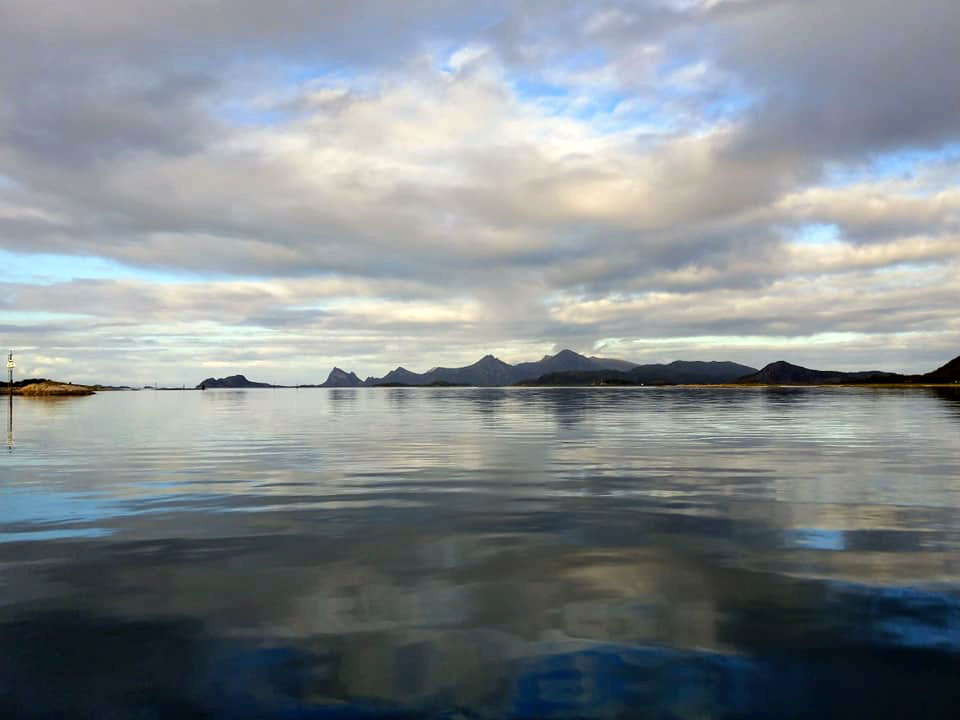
pixel 461 553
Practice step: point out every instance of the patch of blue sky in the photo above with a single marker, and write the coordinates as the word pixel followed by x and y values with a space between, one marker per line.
pixel 618 111
pixel 920 271
pixel 599 104
pixel 650 117
pixel 535 88
pixel 672 65
pixel 471 20
pixel 50 268
pixel 244 114
pixel 303 76
pixel 706 108
pixel 586 59
pixel 607 111
pixel 7 182
pixel 32 319
pixel 816 234
pixel 714 96
pixel 896 165
pixel 725 107
pixel 279 88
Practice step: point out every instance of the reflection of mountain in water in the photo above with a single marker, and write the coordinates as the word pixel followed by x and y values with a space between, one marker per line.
pixel 950 396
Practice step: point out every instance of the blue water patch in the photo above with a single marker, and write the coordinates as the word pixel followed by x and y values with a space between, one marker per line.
pixel 58 534
pixel 815 539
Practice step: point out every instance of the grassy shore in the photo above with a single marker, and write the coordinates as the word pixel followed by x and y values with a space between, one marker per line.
pixel 49 388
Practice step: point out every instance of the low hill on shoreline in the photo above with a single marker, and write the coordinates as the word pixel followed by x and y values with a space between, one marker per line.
pixel 784 373
pixel 49 388
pixel 232 381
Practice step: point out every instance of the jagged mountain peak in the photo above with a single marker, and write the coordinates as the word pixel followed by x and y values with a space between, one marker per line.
pixel 342 378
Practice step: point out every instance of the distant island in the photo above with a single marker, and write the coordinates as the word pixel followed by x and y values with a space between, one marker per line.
pixel 233 381
pixel 571 369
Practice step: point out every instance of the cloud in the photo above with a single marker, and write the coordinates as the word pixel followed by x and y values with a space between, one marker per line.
pixel 504 176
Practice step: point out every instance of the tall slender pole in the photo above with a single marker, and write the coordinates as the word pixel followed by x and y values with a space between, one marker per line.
pixel 10 366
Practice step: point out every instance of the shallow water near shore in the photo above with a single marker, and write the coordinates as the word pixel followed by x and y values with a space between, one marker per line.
pixel 465 552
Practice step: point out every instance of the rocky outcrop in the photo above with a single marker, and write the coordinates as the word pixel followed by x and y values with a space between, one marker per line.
pixel 340 378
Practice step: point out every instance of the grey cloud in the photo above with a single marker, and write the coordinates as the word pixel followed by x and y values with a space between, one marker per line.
pixel 843 79
pixel 65 124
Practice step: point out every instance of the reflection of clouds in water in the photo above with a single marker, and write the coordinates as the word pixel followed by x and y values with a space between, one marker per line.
pixel 522 550
pixel 378 625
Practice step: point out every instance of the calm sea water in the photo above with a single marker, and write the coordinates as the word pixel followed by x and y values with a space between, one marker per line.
pixel 503 553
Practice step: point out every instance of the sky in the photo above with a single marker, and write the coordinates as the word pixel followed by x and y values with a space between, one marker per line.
pixel 197 188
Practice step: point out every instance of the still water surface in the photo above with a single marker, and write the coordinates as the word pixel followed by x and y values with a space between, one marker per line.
pixel 503 553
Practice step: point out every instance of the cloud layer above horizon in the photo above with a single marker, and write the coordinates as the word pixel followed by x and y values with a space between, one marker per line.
pixel 201 188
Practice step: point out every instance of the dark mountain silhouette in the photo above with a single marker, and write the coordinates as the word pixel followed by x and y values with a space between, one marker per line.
pixel 563 361
pixel 233 381
pixel 784 373
pixel 613 363
pixel 690 372
pixel 400 375
pixel 571 368
pixel 341 378
pixel 949 373
pixel 489 371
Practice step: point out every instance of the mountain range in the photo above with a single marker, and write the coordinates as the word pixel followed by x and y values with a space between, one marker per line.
pixel 491 371
pixel 571 368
